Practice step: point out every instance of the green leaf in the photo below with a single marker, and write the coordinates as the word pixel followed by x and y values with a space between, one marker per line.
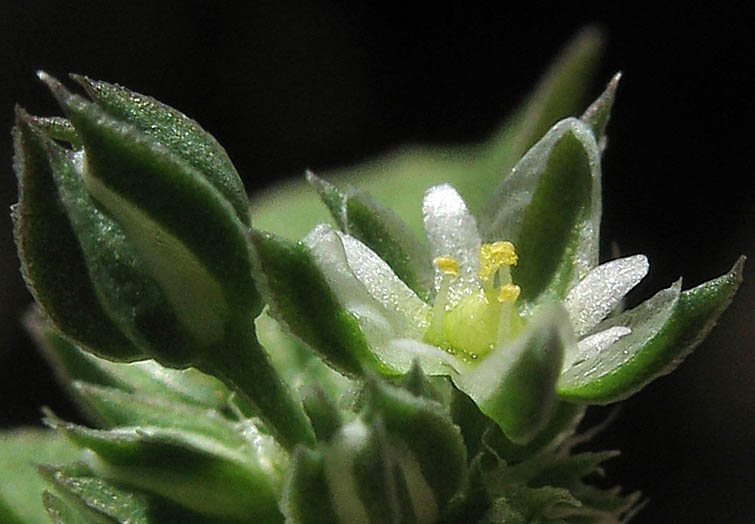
pixel 191 469
pixel 21 488
pixel 379 228
pixel 549 207
pixel 665 330
pixel 302 301
pixel 178 133
pixel 515 384
pixel 399 179
pixel 52 261
pixel 186 233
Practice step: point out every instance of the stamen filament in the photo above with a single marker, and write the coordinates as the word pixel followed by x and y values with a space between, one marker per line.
pixel 449 268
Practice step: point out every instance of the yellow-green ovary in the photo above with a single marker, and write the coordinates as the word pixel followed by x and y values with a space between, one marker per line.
pixel 471 328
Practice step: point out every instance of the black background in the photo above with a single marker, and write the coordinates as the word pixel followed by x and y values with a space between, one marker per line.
pixel 287 86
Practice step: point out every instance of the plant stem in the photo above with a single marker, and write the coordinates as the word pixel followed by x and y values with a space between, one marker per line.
pixel 245 367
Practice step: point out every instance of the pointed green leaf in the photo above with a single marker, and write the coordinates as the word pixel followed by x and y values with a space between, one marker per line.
pixel 52 260
pixel 195 471
pixel 399 179
pixel 176 132
pixel 21 488
pixel 181 226
pixel 549 207
pixel 380 229
pixel 597 115
pixel 300 298
pixel 515 384
pixel 665 330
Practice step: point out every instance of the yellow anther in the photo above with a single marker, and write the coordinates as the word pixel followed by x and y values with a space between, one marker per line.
pixel 503 253
pixel 447 265
pixel 508 293
pixel 495 255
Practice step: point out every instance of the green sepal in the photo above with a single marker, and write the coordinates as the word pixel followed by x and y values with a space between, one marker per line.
pixel 400 178
pixel 181 226
pixel 306 493
pixel 523 504
pixel 122 282
pixel 479 430
pixel 515 384
pixel 555 219
pixel 115 407
pixel 53 263
pixel 416 382
pixel 426 430
pixel 173 130
pixel 380 229
pixel 21 450
pixel 57 128
pixel 300 298
pixel 62 512
pixel 665 330
pixel 190 469
pixel 562 424
pixel 323 413
pixel 81 495
pixel 599 112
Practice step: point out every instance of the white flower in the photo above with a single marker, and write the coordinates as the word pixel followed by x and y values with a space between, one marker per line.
pixel 474 309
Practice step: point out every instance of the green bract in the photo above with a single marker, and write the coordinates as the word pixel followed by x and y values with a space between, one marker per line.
pixel 404 378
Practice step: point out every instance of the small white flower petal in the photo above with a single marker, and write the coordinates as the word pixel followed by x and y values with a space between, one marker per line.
pixel 602 289
pixel 452 232
pixel 383 284
pixel 381 326
pixel 590 346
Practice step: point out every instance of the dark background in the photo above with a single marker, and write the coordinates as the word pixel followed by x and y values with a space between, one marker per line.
pixel 286 87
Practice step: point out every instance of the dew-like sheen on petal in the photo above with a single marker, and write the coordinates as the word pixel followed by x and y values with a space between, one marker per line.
pixel 383 284
pixel 452 232
pixel 590 346
pixel 602 289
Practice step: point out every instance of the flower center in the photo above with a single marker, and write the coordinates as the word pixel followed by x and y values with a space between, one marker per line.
pixel 483 318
